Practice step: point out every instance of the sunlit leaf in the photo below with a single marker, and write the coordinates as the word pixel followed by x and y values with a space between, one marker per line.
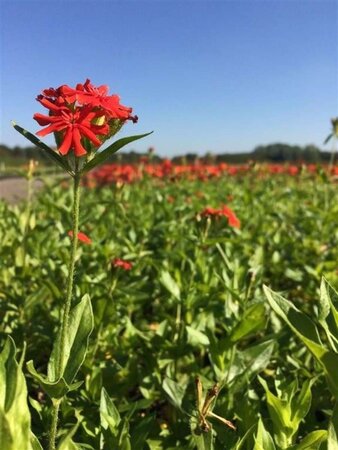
pixel 54 156
pixel 103 155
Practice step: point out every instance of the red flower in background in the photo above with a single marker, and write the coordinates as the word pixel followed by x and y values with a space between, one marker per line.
pixel 225 211
pixel 84 113
pixel 232 218
pixel 209 212
pixel 121 263
pixel 81 237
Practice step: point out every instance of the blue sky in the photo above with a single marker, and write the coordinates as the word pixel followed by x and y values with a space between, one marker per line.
pixel 220 76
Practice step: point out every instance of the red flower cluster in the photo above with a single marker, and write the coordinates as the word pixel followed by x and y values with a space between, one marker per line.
pixel 121 263
pixel 129 173
pixel 225 211
pixel 81 118
pixel 81 237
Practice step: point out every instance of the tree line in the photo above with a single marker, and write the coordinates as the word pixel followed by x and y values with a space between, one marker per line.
pixel 274 153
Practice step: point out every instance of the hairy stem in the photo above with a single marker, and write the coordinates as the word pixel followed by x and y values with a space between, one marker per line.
pixel 66 309
pixel 54 425
pixel 71 267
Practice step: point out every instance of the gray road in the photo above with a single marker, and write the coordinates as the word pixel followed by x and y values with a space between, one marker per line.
pixel 13 190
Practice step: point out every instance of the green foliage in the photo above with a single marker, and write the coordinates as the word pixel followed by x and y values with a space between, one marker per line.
pixel 15 419
pixel 56 384
pixel 308 332
pixel 288 409
pixel 192 305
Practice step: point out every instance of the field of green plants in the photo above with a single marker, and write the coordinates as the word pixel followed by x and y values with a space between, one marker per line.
pixel 213 325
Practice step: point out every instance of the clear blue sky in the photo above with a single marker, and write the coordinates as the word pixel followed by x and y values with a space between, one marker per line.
pixel 220 76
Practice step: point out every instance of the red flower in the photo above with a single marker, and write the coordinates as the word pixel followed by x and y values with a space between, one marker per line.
pixel 81 237
pixel 125 265
pixel 74 126
pixel 79 115
pixel 88 94
pixel 210 212
pixel 233 220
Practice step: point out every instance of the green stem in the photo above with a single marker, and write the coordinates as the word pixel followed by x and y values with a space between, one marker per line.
pixel 71 267
pixel 54 425
pixel 67 306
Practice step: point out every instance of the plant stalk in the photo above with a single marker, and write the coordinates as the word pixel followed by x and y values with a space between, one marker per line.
pixel 54 424
pixel 71 267
pixel 67 305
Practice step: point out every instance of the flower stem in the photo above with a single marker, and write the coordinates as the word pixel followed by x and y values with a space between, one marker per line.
pixel 71 267
pixel 66 309
pixel 54 424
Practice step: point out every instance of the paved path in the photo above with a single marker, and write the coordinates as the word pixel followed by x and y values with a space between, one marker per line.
pixel 15 189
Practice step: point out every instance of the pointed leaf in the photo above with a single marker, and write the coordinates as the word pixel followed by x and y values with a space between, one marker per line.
pixel 204 441
pixel 328 138
pixel 15 419
pixel 54 156
pixel 101 156
pixel 196 337
pixel 307 331
pixel 253 320
pixel 110 417
pixel 174 391
pixel 301 403
pixel 248 363
pixel 312 441
pixel 35 443
pixel 280 413
pixel 328 291
pixel 170 284
pixel 263 439
pixel 81 323
pixel 55 389
pixel 67 442
pixel 332 439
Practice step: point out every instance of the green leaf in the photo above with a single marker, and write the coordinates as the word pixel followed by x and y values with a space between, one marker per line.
pixel 154 444
pixel 328 138
pixel 81 323
pixel 280 413
pixel 288 409
pixel 307 331
pixel 301 403
pixel 312 441
pixel 248 363
pixel 240 444
pixel 253 320
pixel 170 284
pixel 141 431
pixel 263 439
pixel 35 443
pixel 15 420
pixel 59 160
pixel 175 392
pixel 115 431
pixel 100 157
pixel 204 441
pixel 332 438
pixel 328 313
pixel 55 389
pixel 67 442
pixel 110 417
pixel 196 337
